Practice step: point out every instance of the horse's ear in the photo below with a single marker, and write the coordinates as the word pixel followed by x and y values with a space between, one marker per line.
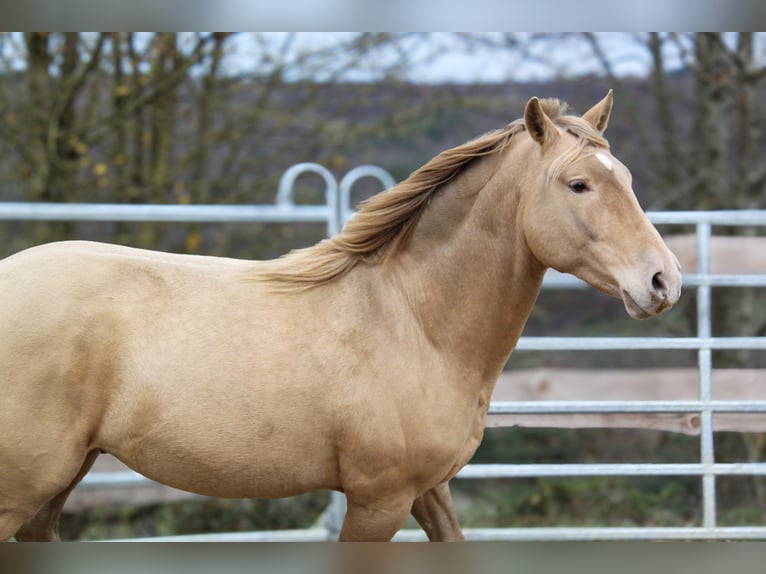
pixel 598 115
pixel 538 124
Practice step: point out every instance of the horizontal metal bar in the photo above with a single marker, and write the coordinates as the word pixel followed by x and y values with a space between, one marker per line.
pixel 579 407
pixel 569 533
pixel 119 479
pixel 305 535
pixel 608 533
pixel 215 212
pixel 166 213
pixel 637 343
pixel 754 280
pixel 721 217
pixel 130 479
pixel 48 210
pixel 555 280
pixel 484 471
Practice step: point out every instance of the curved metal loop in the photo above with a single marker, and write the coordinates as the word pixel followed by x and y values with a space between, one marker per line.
pixel 349 180
pixel 285 192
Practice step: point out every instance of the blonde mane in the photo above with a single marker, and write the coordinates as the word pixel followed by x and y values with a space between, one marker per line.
pixel 384 223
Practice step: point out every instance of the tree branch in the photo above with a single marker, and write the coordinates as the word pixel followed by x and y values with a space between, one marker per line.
pixel 94 132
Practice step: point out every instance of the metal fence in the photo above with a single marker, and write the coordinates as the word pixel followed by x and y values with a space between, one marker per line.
pixel 337 210
pixel 704 343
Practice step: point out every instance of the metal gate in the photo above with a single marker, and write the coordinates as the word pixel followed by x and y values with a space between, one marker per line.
pixel 337 209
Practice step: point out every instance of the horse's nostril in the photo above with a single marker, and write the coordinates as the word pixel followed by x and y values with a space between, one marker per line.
pixel 659 284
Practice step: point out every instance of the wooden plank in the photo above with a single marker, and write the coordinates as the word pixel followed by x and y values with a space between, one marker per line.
pixel 728 255
pixel 629 385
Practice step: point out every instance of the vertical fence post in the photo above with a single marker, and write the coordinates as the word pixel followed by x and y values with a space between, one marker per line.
pixel 704 357
pixel 334 514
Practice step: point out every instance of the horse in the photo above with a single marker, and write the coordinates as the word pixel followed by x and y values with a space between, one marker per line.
pixel 363 364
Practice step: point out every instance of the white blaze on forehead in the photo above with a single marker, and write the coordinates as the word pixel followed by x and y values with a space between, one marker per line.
pixel 605 160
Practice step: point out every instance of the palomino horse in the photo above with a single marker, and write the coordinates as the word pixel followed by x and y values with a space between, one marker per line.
pixel 364 364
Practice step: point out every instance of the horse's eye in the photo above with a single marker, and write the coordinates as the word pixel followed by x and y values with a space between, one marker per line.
pixel 578 186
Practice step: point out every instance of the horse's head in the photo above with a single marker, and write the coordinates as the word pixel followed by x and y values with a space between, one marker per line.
pixel 579 213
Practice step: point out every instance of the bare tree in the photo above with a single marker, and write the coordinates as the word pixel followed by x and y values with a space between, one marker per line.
pixel 670 156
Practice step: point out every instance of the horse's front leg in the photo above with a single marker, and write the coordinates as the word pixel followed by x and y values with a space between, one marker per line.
pixel 435 513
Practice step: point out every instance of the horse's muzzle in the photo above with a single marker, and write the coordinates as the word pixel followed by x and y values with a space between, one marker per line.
pixel 659 295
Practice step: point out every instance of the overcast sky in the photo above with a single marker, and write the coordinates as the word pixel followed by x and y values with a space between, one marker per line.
pixel 433 57
pixel 437 57
pixel 442 58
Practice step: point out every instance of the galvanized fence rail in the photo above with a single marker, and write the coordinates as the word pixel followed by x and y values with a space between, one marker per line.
pixel 337 209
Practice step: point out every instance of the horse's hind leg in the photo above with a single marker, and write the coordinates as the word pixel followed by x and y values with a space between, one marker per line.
pixel 376 521
pixel 44 524
pixel 435 513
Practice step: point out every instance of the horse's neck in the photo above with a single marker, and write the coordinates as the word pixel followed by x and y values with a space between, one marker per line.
pixel 468 274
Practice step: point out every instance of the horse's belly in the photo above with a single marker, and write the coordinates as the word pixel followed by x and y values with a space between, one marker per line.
pixel 234 439
pixel 234 468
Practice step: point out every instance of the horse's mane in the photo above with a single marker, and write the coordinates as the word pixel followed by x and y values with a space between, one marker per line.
pixel 385 222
